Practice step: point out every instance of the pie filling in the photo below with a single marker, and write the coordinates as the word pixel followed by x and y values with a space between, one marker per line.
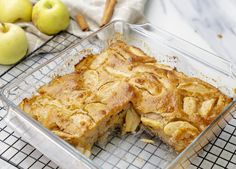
pixel 123 87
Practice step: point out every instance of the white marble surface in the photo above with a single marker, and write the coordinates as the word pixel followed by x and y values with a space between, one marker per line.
pixel 210 24
pixel 214 20
pixel 190 20
pixel 162 13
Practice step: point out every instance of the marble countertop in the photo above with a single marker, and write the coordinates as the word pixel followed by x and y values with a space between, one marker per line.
pixel 210 24
pixel 163 14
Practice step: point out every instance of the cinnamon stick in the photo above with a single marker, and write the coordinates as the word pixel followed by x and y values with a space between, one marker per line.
pixel 82 22
pixel 108 12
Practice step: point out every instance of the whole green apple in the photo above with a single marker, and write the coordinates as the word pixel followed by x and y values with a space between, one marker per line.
pixel 50 16
pixel 13 43
pixel 15 10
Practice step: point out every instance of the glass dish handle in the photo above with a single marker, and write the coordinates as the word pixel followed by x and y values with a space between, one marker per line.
pixel 180 45
pixel 3 109
pixel 12 120
pixel 17 124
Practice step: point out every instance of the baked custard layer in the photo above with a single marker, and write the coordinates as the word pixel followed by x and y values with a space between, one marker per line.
pixel 123 87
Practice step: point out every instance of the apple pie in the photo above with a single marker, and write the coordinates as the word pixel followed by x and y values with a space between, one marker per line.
pixel 124 88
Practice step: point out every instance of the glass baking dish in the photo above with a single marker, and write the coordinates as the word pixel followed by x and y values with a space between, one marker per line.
pixel 126 151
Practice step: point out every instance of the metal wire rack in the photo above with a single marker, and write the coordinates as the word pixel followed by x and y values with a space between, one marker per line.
pixel 219 153
pixel 13 149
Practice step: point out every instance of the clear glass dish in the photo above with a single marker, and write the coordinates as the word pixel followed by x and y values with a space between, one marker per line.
pixel 121 151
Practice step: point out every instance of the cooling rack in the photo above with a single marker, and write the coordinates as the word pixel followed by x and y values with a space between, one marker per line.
pixel 218 153
pixel 13 149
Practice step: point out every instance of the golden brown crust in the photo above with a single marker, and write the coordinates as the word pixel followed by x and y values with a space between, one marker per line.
pixel 84 105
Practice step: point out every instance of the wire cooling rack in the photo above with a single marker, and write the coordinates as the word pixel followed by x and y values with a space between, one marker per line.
pixel 219 153
pixel 13 149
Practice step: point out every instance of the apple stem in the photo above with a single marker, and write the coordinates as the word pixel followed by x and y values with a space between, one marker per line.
pixel 4 28
pixel 1 24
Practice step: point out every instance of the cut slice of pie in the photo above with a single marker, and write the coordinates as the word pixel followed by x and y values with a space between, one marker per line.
pixel 77 114
pixel 123 87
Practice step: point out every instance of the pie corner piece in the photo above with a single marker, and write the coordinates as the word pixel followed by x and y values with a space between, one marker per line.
pixel 122 87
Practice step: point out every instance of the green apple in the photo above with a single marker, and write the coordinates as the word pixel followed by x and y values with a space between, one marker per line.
pixel 50 16
pixel 15 10
pixel 13 43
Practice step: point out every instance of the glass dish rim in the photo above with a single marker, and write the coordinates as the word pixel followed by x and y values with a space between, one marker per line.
pixel 69 148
